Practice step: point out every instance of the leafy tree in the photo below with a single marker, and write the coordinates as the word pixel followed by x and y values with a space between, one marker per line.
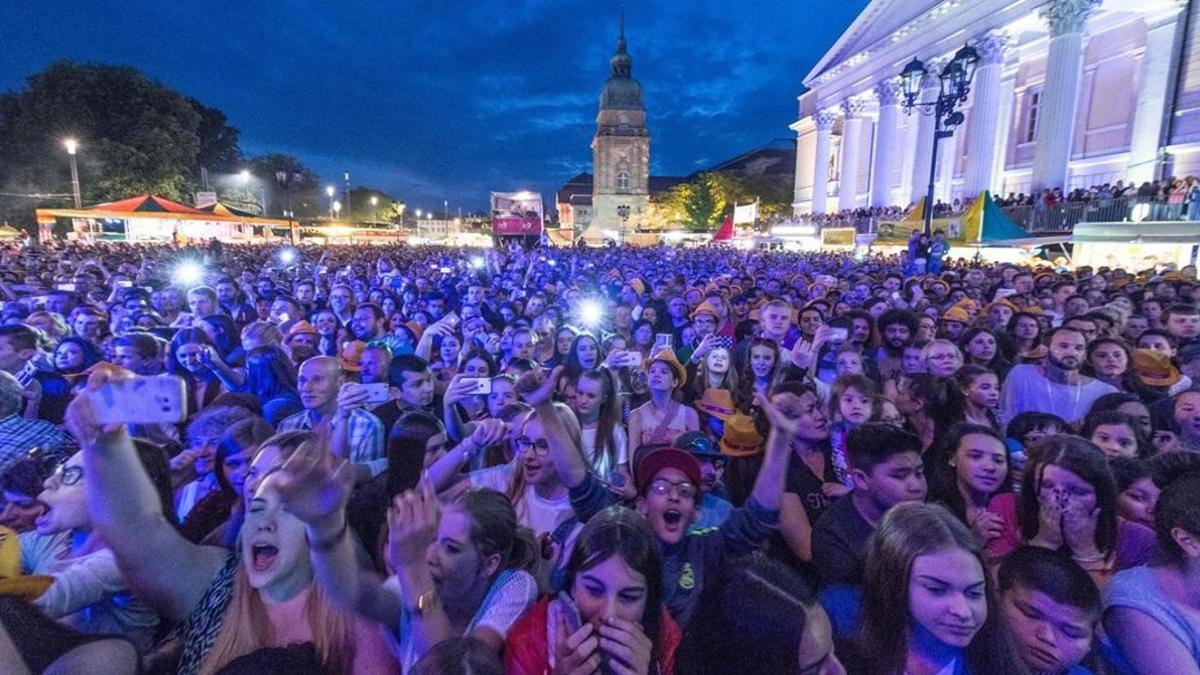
pixel 385 211
pixel 219 149
pixel 308 198
pixel 704 203
pixel 135 136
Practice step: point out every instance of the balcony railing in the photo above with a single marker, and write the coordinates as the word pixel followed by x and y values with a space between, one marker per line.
pixel 1064 216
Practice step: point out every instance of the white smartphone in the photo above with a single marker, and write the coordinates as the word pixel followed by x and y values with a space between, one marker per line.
pixel 70 288
pixel 125 283
pixel 838 334
pixel 157 399
pixel 377 392
pixel 629 359
pixel 479 386
pixel 1002 293
pixel 663 340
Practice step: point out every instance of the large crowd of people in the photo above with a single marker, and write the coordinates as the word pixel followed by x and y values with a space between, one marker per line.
pixel 627 461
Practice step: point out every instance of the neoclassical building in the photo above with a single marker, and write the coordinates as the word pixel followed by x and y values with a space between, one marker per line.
pixel 1068 93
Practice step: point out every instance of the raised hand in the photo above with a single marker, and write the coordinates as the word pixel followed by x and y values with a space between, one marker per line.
pixel 536 388
pixel 779 421
pixel 986 526
pixel 80 420
pixel 1079 529
pixel 412 525
pixel 1050 520
pixel 309 485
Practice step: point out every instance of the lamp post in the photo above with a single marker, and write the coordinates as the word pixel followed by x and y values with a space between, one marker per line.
pixel 623 212
pixel 286 180
pixel 374 209
pixel 72 146
pixel 337 209
pixel 418 223
pixel 330 191
pixel 955 85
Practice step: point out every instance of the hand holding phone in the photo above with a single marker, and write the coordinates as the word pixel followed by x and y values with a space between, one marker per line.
pixel 475 386
pixel 157 399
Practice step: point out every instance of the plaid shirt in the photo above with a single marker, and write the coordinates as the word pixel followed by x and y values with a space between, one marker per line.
pixel 364 441
pixel 19 435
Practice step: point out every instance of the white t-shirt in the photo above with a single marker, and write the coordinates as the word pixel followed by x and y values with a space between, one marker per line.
pixel 602 466
pixel 1026 389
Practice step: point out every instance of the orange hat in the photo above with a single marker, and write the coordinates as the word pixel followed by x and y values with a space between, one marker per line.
pixel 300 327
pixel 741 438
pixel 706 307
pixel 956 313
pixel 1003 303
pixel 668 357
pixel 1034 309
pixel 718 403
pixel 638 285
pixel 415 328
pixel 351 356
pixel 1155 368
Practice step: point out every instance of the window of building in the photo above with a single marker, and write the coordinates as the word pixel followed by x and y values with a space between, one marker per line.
pixel 622 181
pixel 1031 119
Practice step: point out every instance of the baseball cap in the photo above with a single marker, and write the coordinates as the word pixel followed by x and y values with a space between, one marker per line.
pixel 697 443
pixel 658 459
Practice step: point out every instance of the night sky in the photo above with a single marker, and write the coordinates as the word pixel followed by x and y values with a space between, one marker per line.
pixel 450 99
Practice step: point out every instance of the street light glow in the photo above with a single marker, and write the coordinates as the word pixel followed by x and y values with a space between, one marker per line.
pixel 189 273
pixel 287 256
pixel 244 175
pixel 337 206
pixel 374 200
pixel 329 191
pixel 477 262
pixel 72 145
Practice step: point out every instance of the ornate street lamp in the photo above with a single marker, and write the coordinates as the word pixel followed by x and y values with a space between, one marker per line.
pixel 955 80
pixel 623 212
pixel 286 179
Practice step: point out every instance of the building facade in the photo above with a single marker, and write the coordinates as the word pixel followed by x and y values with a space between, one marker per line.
pixel 1067 94
pixel 620 152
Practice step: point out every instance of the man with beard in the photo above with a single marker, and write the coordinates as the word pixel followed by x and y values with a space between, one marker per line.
pixel 369 324
pixel 896 329
pixel 668 482
pixel 1057 387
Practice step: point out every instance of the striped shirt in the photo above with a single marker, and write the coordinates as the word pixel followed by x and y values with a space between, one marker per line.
pixel 364 440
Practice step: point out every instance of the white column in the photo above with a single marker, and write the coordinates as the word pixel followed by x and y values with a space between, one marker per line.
pixel 851 138
pixel 1060 96
pixel 1008 96
pixel 909 153
pixel 820 197
pixel 985 116
pixel 806 155
pixel 889 93
pixel 923 153
pixel 1150 114
pixel 947 159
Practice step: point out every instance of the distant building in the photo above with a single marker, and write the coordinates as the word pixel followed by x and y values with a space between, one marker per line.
pixel 1067 94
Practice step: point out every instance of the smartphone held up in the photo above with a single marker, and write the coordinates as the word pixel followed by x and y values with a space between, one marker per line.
pixel 155 399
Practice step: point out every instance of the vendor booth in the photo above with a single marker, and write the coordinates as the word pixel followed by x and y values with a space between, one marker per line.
pixel 150 218
pixel 1136 246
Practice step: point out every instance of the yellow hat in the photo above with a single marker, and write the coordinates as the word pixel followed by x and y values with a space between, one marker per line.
pixel 351 356
pixel 706 307
pixel 668 357
pixel 10 553
pixel 638 285
pixel 741 438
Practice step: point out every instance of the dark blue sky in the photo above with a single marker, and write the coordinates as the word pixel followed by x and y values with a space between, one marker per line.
pixel 450 99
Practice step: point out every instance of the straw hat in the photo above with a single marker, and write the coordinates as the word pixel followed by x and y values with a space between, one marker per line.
pixel 351 356
pixel 741 438
pixel 668 357
pixel 956 313
pixel 718 403
pixel 706 307
pixel 300 327
pixel 1155 368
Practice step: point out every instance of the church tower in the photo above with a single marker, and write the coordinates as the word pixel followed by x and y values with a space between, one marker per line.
pixel 621 150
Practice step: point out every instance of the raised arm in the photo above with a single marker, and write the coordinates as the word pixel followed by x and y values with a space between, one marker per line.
pixel 456 428
pixel 567 456
pixel 317 494
pixel 768 486
pixel 126 512
pixel 442 473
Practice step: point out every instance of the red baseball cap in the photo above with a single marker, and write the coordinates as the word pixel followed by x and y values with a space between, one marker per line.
pixel 658 459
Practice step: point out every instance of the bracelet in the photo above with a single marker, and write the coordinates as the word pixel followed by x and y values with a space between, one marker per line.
pixel 329 543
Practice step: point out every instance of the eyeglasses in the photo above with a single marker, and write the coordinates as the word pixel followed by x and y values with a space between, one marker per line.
pixel 540 447
pixel 683 489
pixel 69 475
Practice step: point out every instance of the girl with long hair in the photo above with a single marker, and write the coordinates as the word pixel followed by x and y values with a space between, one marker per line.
pixel 969 474
pixel 929 604
pixel 1110 360
pixel 604 443
pixel 980 387
pixel 217 518
pixel 853 400
pixel 583 354
pixel 760 373
pixel 1025 334
pixel 930 404
pixel 614 587
pixel 663 418
pixel 981 347
pixel 227 604
pixel 1116 434
pixel 1069 504
pixel 271 377
pixel 191 357
pixel 714 371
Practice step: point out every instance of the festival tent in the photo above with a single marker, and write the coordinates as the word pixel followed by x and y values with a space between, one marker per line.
pixel 154 218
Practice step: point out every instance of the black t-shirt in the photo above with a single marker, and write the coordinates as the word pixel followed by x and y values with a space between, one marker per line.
pixel 802 482
pixel 839 544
